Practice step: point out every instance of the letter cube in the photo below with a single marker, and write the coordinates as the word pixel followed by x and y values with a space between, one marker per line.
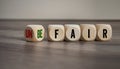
pixel 88 32
pixel 72 32
pixel 34 32
pixel 104 32
pixel 56 32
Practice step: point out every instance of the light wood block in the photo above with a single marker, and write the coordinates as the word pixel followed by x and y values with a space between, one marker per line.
pixel 34 32
pixel 72 32
pixel 56 32
pixel 88 32
pixel 104 32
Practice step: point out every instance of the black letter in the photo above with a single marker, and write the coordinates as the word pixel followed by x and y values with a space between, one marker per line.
pixel 88 33
pixel 72 33
pixel 104 33
pixel 56 33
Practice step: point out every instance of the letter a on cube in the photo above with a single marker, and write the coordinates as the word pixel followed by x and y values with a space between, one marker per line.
pixel 72 32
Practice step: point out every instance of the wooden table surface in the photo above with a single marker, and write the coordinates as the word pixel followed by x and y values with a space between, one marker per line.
pixel 16 53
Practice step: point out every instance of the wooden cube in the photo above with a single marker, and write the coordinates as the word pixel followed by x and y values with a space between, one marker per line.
pixel 56 32
pixel 104 32
pixel 34 32
pixel 72 32
pixel 88 32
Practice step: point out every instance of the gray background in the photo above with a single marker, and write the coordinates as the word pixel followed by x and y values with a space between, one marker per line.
pixel 59 9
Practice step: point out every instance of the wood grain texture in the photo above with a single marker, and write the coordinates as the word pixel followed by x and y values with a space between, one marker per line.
pixel 16 53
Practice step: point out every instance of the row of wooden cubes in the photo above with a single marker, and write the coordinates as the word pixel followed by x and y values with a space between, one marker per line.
pixel 69 32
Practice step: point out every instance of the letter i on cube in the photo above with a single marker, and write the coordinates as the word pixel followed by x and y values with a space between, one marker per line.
pixel 88 32
pixel 34 33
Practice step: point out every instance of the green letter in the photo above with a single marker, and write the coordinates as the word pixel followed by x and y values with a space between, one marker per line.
pixel 39 33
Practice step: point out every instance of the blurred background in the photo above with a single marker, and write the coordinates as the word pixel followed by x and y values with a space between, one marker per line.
pixel 60 9
pixel 17 53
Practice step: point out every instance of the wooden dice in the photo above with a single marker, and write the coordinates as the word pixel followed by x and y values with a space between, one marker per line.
pixel 72 32
pixel 69 32
pixel 88 32
pixel 104 32
pixel 34 32
pixel 56 32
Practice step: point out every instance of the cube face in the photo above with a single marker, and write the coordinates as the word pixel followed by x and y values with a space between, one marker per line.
pixel 104 32
pixel 88 32
pixel 28 33
pixel 56 32
pixel 72 32
pixel 34 32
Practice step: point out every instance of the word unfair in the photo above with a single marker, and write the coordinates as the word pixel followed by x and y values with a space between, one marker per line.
pixel 69 32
